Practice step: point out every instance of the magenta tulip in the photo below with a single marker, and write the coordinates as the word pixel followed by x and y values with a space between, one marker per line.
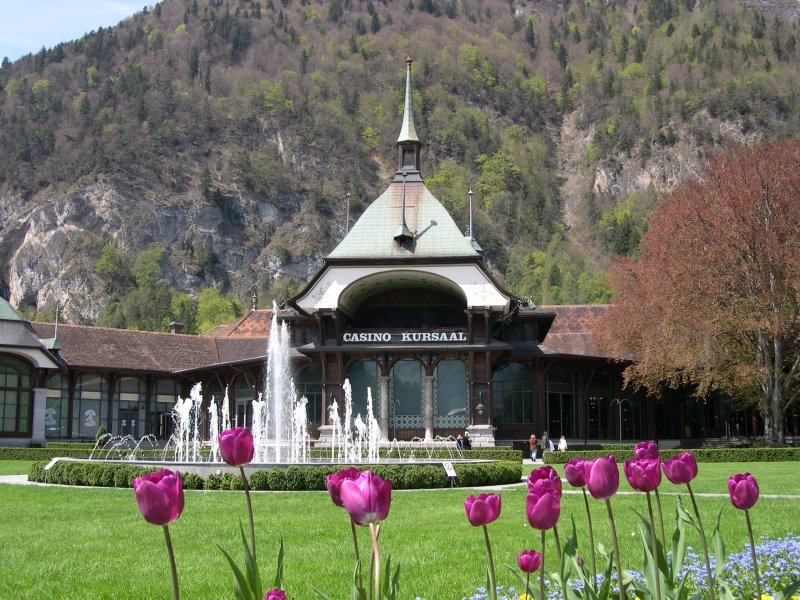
pixel 334 483
pixel 602 477
pixel 647 449
pixel 160 496
pixel 743 490
pixel 236 446
pixel 544 479
pixel 542 510
pixel 482 510
pixel 644 474
pixel 529 561
pixel 367 498
pixel 275 594
pixel 575 472
pixel 681 468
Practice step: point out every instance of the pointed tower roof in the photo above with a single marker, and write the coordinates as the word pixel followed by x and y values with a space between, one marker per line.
pixel 408 132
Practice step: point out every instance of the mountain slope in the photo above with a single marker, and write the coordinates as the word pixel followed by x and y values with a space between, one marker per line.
pixel 229 133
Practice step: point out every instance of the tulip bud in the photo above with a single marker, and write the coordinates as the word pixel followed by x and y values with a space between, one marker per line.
pixel 367 498
pixel 575 472
pixel 542 510
pixel 159 496
pixel 644 474
pixel 275 594
pixel 602 477
pixel 681 468
pixel 482 510
pixel 544 479
pixel 647 449
pixel 743 490
pixel 334 483
pixel 529 561
pixel 236 446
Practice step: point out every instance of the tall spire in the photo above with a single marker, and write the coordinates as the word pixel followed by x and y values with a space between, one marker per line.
pixel 408 133
pixel 408 143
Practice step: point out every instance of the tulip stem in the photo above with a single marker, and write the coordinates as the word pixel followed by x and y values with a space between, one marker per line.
pixel 376 559
pixel 173 568
pixel 355 539
pixel 541 571
pixel 492 580
pixel 558 543
pixel 654 544
pixel 527 584
pixel 620 584
pixel 709 579
pixel 753 553
pixel 661 523
pixel 591 538
pixel 246 487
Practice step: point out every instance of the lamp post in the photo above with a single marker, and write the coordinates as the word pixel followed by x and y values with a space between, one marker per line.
pixel 619 402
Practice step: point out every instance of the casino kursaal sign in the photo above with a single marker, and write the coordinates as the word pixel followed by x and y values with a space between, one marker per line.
pixel 404 337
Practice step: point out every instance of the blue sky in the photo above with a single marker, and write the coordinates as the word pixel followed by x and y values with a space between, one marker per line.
pixel 27 25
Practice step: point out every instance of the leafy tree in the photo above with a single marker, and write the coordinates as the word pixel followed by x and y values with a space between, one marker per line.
pixel 215 309
pixel 715 298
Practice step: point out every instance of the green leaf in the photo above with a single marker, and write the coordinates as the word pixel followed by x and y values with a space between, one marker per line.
pixel 253 577
pixel 240 586
pixel 786 592
pixel 719 547
pixel 678 541
pixel 278 581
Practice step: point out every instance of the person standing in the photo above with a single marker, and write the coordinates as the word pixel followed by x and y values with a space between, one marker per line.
pixel 562 444
pixel 534 444
pixel 545 443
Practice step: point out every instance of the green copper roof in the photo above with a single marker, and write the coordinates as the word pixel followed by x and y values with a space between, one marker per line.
pixel 7 313
pixel 435 233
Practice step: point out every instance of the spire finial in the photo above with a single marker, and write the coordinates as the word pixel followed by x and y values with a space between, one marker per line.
pixel 408 133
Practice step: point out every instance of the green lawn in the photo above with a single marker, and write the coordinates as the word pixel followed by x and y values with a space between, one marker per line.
pixel 15 467
pixel 92 543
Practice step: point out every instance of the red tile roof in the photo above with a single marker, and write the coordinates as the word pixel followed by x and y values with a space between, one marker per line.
pixel 571 332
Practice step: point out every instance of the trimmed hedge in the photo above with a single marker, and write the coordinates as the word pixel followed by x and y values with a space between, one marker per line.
pixel 71 445
pixel 708 455
pixel 495 453
pixel 36 454
pixel 293 478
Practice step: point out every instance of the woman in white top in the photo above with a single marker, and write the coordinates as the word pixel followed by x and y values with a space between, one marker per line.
pixel 562 444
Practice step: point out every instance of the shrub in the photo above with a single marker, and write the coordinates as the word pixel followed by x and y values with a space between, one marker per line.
pixel 259 481
pixel 212 482
pixel 192 481
pixel 709 455
pixel 36 472
pixel 277 479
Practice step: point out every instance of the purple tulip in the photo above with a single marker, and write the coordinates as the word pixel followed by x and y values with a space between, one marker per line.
pixel 644 474
pixel 529 561
pixel 236 446
pixel 544 479
pixel 681 468
pixel 367 498
pixel 334 483
pixel 575 472
pixel 275 594
pixel 602 477
pixel 647 449
pixel 743 490
pixel 160 496
pixel 482 510
pixel 543 509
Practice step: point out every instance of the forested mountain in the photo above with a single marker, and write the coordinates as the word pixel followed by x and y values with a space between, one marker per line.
pixel 213 143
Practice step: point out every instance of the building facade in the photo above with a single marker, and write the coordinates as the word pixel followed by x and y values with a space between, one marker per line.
pixel 403 309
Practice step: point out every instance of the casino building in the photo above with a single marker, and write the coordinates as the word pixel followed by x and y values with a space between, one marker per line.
pixel 404 307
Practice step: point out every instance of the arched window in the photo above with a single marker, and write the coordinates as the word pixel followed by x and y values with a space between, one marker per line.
pixel 450 395
pixel 512 394
pixel 405 395
pixel 562 403
pixel 15 395
pixel 56 412
pixel 362 374
pixel 308 384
